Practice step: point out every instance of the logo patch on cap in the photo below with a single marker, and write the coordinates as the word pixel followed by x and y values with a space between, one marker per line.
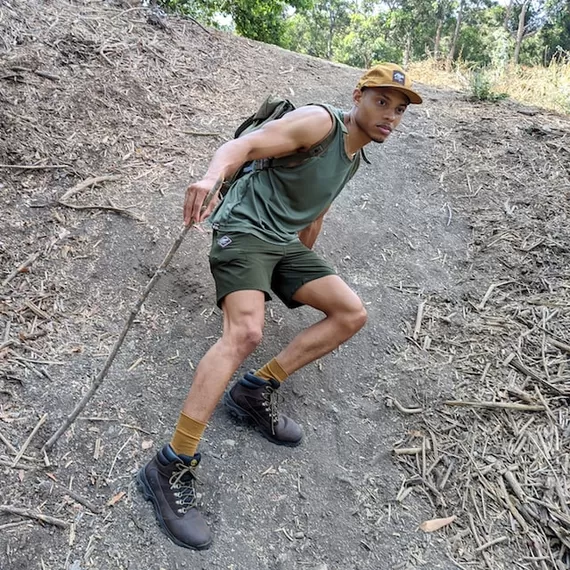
pixel 399 77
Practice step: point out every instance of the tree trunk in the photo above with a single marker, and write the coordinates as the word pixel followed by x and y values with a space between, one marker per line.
pixel 437 40
pixel 520 31
pixel 451 53
pixel 408 50
pixel 331 34
pixel 508 12
pixel 442 9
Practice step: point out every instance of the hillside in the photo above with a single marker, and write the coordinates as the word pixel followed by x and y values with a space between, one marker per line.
pixel 452 401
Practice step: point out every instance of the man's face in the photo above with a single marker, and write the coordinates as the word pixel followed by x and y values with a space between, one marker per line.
pixel 379 111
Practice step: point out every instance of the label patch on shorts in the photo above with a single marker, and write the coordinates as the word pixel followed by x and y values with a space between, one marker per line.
pixel 224 241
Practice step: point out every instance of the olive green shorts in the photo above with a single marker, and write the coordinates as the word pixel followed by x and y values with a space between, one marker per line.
pixel 243 262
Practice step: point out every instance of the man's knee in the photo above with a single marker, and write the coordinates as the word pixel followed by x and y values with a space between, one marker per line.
pixel 246 337
pixel 359 318
pixel 353 318
pixel 243 321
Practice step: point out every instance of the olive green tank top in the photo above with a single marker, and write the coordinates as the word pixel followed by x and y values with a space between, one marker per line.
pixel 276 203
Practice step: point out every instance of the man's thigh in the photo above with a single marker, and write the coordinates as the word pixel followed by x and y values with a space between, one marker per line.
pixel 329 294
pixel 299 266
pixel 243 309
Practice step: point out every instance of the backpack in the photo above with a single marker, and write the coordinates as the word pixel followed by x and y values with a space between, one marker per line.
pixel 271 109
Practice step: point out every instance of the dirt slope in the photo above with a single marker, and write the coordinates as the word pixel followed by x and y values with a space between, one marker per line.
pixel 462 198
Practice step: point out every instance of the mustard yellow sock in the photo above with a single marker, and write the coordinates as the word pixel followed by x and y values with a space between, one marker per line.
pixel 187 435
pixel 272 370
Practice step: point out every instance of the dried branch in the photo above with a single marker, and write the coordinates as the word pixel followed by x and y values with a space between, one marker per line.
pixel 496 405
pixel 33 515
pixel 119 342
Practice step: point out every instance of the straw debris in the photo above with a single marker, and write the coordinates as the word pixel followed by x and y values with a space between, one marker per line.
pixel 501 458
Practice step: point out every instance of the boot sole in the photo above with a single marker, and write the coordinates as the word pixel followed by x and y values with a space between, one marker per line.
pixel 241 414
pixel 149 495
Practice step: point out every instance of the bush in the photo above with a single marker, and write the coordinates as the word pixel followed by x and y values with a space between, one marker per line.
pixel 482 90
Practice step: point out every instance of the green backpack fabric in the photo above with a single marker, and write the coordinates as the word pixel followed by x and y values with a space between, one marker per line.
pixel 271 109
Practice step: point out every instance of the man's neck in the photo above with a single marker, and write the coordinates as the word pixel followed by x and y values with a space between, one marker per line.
pixel 356 138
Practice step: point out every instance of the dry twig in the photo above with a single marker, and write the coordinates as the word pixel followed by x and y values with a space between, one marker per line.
pixel 33 515
pixel 119 342
pixel 28 441
pixel 496 405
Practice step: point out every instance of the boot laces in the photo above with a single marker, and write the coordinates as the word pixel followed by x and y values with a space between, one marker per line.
pixel 271 403
pixel 182 482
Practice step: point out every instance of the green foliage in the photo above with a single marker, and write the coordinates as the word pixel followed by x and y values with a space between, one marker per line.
pixel 263 20
pixel 501 45
pixel 317 30
pixel 472 45
pixel 361 32
pixel 555 35
pixel 201 10
pixel 482 89
pixel 365 43
pixel 297 35
pixel 485 44
pixel 411 27
pixel 259 20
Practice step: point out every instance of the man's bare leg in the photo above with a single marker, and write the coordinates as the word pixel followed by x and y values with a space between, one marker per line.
pixel 168 479
pixel 243 329
pixel 345 316
pixel 243 326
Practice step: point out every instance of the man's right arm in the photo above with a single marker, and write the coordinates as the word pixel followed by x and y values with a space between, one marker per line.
pixel 298 130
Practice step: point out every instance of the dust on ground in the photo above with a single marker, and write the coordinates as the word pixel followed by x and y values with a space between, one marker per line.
pixel 452 401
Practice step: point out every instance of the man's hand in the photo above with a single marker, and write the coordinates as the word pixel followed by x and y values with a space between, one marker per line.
pixel 194 210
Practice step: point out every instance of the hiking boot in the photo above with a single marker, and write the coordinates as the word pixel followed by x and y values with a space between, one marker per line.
pixel 255 399
pixel 168 481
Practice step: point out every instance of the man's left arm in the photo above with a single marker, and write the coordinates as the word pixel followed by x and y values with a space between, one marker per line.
pixel 308 236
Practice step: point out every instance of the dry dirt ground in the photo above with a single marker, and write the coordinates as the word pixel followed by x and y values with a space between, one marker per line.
pixel 453 401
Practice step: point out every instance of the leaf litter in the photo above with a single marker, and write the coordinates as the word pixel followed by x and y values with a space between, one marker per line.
pixel 87 103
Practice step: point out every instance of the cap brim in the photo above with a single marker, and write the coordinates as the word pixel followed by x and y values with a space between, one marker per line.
pixel 414 97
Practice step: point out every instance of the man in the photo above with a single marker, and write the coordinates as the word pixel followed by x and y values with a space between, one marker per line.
pixel 264 231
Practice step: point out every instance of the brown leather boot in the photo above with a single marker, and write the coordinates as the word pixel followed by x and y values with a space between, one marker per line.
pixel 255 399
pixel 168 481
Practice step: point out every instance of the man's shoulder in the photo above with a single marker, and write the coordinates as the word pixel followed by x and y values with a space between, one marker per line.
pixel 323 110
pixel 316 111
pixel 329 114
pixel 310 124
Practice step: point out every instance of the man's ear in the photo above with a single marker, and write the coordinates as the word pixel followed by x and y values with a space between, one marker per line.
pixel 357 96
